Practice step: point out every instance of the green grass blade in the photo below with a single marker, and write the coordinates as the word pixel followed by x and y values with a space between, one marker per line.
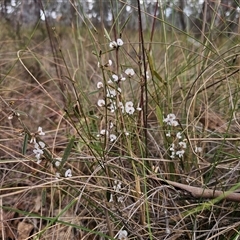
pixel 25 144
pixel 67 151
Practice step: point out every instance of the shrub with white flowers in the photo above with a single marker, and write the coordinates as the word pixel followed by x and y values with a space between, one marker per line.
pixel 177 147
pixel 113 99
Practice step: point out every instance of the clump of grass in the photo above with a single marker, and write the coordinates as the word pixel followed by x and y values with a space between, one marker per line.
pixel 120 136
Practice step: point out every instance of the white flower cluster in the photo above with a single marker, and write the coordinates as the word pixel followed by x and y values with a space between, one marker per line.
pixel 105 133
pixel 178 150
pixel 116 44
pixel 117 189
pixel 68 173
pixel 113 104
pixel 107 64
pixel 113 99
pixel 38 146
pixel 38 150
pixel 171 120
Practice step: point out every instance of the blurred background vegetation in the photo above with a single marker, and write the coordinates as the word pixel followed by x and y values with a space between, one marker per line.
pixel 187 15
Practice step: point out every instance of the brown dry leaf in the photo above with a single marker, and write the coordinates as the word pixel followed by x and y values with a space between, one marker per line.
pixel 24 230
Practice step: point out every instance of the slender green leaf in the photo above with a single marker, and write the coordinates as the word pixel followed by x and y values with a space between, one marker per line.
pixel 67 151
pixel 25 143
pixel 106 34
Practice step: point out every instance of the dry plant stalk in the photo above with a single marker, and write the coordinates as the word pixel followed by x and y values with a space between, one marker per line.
pixel 199 192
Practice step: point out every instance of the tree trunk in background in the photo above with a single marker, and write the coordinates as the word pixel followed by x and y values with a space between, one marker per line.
pixel 29 13
pixel 3 12
pixel 181 14
pixel 203 23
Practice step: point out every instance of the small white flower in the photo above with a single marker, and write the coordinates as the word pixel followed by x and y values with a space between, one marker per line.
pixel 180 153
pixel 182 144
pixel 112 137
pixel 112 107
pixel 68 173
pixel 119 186
pixel 126 133
pixel 41 144
pixel 130 72
pixel 119 42
pixel 198 149
pixel 99 85
pixel 103 132
pixel 39 161
pixel 175 123
pixel 37 155
pixel 122 235
pixel 121 78
pixel 109 63
pixel 111 198
pixel 179 136
pixel 111 93
pixel 101 103
pixel 58 162
pixel 113 44
pixel 139 109
pixel 10 116
pixel 38 151
pixel 129 104
pixel 115 77
pixel 129 107
pixel 147 76
pixel 111 125
pixel 120 199
pixel 168 134
pixel 130 110
pixel 40 132
pixel 33 139
pixel 171 120
pixel 119 90
pixel 172 147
